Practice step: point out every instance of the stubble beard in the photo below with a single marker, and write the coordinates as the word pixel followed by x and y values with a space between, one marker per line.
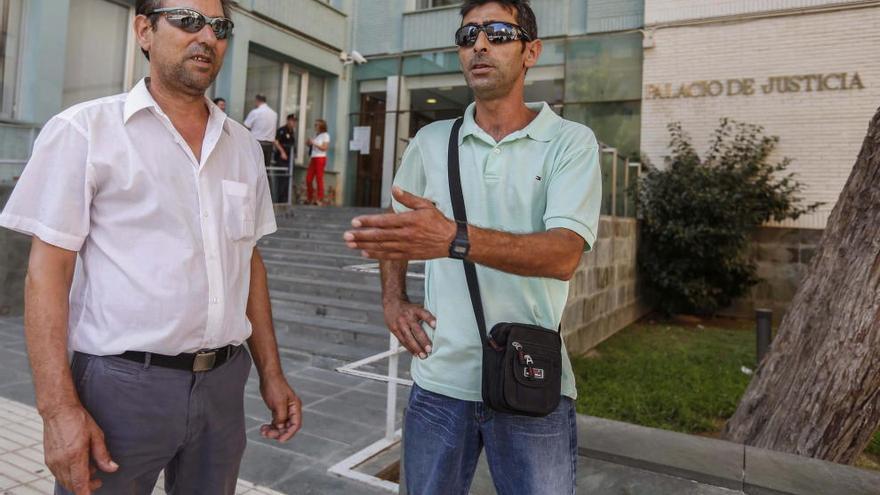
pixel 492 88
pixel 187 81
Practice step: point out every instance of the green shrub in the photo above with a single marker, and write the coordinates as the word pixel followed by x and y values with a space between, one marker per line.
pixel 697 215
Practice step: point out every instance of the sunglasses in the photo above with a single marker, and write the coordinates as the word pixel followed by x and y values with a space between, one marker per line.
pixel 496 32
pixel 193 21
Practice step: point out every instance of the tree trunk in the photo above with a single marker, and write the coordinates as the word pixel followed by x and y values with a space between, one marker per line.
pixel 817 392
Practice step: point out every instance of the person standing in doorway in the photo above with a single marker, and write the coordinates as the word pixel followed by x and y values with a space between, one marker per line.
pixel 221 103
pixel 532 187
pixel 262 121
pixel 144 210
pixel 285 141
pixel 319 146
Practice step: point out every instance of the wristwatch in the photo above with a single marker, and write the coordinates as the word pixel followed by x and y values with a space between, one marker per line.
pixel 460 246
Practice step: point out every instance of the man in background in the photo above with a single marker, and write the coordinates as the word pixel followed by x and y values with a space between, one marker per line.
pixel 262 121
pixel 285 141
pixel 221 104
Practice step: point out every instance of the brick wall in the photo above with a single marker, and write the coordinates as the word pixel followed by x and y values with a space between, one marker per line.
pixel 821 131
pixel 604 293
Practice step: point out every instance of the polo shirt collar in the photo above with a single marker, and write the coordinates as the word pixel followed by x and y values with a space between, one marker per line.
pixel 139 98
pixel 542 128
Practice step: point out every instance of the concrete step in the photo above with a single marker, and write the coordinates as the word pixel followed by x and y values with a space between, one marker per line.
pixel 324 224
pixel 331 330
pixel 304 232
pixel 286 268
pixel 329 355
pixel 332 289
pixel 329 308
pixel 308 245
pixel 314 258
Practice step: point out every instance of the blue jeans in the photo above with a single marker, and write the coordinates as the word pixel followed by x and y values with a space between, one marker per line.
pixel 443 438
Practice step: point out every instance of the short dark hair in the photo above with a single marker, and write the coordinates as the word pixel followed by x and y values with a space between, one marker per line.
pixel 260 97
pixel 142 7
pixel 525 16
pixel 291 116
pixel 218 100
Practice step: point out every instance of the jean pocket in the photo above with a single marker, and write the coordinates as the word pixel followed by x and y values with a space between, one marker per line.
pixel 238 210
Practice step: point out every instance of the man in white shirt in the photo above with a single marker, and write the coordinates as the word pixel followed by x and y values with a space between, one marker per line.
pixel 145 209
pixel 262 121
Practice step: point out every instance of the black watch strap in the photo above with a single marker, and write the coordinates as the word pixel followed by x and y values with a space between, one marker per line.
pixel 460 246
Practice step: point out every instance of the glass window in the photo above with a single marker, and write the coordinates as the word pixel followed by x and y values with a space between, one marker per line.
pixel 616 124
pixel 263 77
pixel 430 4
pixel 93 23
pixel 315 103
pixel 293 94
pixel 431 63
pixel 604 68
pixel 10 32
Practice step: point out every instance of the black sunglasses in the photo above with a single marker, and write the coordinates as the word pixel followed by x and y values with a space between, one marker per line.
pixel 496 32
pixel 192 21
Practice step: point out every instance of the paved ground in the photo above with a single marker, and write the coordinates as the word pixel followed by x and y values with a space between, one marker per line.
pixel 342 415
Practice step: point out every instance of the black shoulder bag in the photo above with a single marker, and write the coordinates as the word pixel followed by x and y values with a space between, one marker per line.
pixel 522 363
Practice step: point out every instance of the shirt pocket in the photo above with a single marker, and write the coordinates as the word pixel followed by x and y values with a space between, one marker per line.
pixel 238 210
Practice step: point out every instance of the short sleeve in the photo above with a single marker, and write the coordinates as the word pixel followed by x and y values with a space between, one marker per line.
pixel 249 120
pixel 53 197
pixel 264 210
pixel 411 174
pixel 574 195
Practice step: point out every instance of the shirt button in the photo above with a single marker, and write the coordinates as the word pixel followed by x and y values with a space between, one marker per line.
pixel 214 300
pixel 205 214
pixel 497 150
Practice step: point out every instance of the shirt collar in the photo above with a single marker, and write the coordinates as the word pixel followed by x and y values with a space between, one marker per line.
pixel 542 128
pixel 139 98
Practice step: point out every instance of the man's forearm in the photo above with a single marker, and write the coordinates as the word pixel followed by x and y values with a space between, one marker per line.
pixel 47 292
pixel 262 343
pixel 553 254
pixel 393 274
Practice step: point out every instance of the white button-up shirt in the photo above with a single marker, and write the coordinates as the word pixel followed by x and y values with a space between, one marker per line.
pixel 262 121
pixel 164 240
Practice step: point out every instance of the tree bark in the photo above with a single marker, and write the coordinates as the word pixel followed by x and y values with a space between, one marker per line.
pixel 817 392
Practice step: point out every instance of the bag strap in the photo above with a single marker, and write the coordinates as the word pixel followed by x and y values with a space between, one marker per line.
pixel 458 211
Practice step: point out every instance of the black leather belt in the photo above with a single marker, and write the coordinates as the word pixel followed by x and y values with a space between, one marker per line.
pixel 195 362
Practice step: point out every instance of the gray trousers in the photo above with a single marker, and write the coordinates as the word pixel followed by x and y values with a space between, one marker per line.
pixel 153 418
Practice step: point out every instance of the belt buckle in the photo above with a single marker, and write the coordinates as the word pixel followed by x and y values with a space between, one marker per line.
pixel 204 361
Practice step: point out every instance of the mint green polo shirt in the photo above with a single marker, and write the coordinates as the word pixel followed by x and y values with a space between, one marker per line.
pixel 541 177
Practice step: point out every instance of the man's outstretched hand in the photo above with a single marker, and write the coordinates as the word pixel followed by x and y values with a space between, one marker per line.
pixel 421 234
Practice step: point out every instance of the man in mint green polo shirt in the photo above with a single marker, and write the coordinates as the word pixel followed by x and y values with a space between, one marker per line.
pixel 531 183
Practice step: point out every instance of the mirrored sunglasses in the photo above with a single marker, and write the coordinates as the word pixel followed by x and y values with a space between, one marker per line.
pixel 496 32
pixel 193 21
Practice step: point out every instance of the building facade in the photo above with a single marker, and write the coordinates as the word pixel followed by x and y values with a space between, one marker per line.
pixel 57 53
pixel 805 70
pixel 590 72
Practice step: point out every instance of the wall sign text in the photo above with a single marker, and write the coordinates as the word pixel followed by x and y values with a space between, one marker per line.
pixel 806 83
